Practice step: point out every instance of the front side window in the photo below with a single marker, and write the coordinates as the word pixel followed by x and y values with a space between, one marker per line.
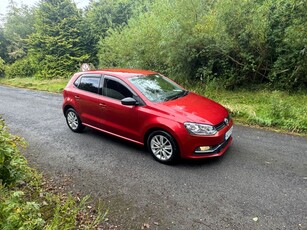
pixel 90 84
pixel 115 90
pixel 157 88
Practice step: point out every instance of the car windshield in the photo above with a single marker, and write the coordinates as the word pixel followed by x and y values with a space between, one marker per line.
pixel 157 88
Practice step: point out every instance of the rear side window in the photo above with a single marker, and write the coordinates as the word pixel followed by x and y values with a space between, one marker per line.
pixel 88 83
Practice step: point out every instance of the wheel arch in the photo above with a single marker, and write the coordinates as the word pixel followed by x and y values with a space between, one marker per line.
pixel 148 132
pixel 66 108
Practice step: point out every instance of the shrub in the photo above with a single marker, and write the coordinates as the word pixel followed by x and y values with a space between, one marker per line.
pixel 20 68
pixel 13 165
pixel 15 213
pixel 234 42
pixel 23 202
pixel 1 67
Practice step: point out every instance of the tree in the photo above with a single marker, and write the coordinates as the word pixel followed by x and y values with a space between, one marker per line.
pixel 231 42
pixel 3 46
pixel 18 26
pixel 103 15
pixel 58 42
pixel 287 39
pixel 159 38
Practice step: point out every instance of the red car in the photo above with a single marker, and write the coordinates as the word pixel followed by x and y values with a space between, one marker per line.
pixel 149 109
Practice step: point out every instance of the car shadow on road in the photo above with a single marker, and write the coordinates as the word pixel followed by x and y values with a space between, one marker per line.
pixel 226 158
pixel 199 162
pixel 114 140
pixel 133 147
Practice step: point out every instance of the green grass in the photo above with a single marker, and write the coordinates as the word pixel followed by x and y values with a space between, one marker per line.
pixel 51 85
pixel 276 110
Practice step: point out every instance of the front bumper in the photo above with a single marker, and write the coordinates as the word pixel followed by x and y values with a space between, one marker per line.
pixel 219 151
pixel 190 145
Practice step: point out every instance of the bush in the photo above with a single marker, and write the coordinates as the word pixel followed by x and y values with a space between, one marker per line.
pixel 23 202
pixel 1 67
pixel 234 42
pixel 20 68
pixel 288 44
pixel 15 213
pixel 13 166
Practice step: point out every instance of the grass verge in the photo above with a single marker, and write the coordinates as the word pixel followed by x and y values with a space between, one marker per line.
pixel 51 85
pixel 276 110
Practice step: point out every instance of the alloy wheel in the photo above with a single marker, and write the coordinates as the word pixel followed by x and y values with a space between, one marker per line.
pixel 72 120
pixel 161 147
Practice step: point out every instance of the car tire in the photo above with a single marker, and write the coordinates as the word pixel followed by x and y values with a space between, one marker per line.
pixel 74 121
pixel 163 147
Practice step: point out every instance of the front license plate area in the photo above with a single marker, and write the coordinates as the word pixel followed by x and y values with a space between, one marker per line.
pixel 228 133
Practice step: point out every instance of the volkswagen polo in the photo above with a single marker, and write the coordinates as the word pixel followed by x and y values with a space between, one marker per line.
pixel 149 109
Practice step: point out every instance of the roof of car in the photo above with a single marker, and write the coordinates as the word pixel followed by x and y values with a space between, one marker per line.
pixel 120 72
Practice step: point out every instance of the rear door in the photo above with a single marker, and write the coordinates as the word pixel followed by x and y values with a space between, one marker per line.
pixel 88 99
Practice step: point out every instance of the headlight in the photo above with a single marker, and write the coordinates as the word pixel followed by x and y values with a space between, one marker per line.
pixel 200 129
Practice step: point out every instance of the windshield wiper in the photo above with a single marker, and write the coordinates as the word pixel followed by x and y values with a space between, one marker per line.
pixel 181 94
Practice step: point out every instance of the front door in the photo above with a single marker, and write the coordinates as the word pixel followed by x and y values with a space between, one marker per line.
pixel 119 119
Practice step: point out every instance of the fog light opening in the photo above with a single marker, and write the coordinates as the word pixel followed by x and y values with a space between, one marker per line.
pixel 204 148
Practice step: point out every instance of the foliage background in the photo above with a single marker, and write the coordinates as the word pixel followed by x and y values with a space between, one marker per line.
pixel 228 43
pixel 233 42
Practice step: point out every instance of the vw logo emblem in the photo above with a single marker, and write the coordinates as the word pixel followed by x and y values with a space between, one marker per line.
pixel 226 121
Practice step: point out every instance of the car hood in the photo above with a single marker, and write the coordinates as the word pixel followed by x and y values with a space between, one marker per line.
pixel 195 108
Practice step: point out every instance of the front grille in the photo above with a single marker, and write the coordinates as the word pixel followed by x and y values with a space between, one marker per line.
pixel 221 125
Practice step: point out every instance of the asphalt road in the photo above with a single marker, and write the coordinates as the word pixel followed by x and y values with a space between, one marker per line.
pixel 260 183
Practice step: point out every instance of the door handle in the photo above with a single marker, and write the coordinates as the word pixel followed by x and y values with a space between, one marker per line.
pixel 77 97
pixel 102 105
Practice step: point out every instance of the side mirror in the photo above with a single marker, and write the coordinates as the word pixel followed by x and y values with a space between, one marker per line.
pixel 129 101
